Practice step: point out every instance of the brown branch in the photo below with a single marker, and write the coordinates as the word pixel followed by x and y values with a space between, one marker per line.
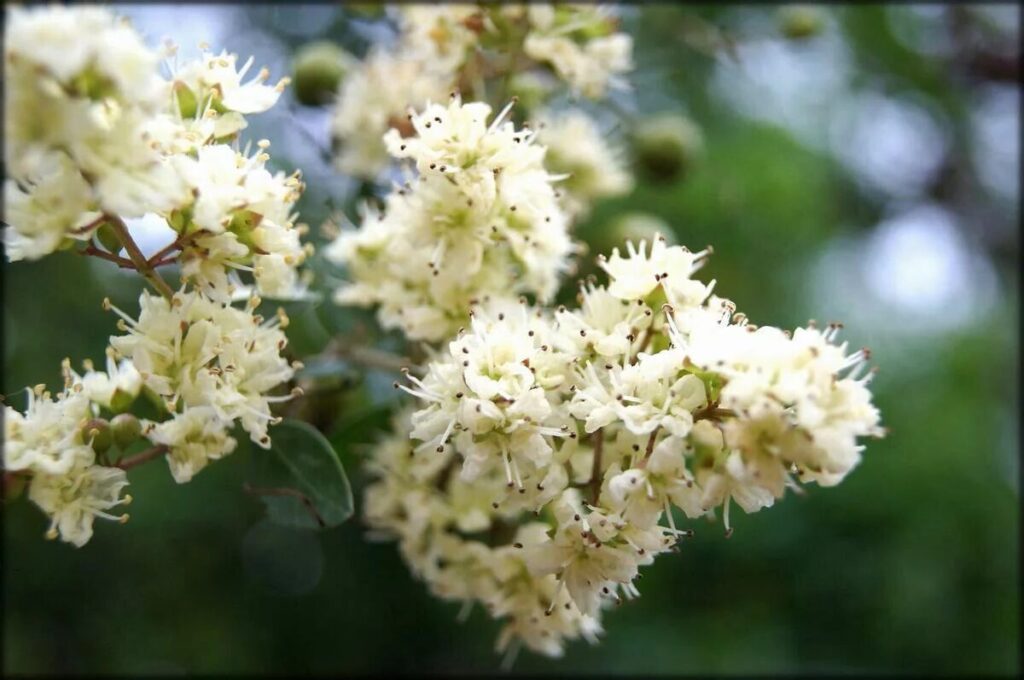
pixel 93 251
pixel 712 412
pixel 286 491
pixel 157 258
pixel 85 229
pixel 595 471
pixel 369 357
pixel 144 457
pixel 137 258
pixel 650 443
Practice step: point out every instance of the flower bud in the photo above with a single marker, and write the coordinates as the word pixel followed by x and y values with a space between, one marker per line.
pixel 531 89
pixel 97 433
pixel 317 71
pixel 666 146
pixel 365 10
pixel 108 238
pixel 799 22
pixel 126 429
pixel 637 226
pixel 121 400
pixel 187 103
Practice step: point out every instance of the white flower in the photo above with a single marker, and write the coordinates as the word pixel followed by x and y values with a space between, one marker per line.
pixel 194 438
pixel 587 553
pixel 641 493
pixel 75 497
pixel 212 80
pixel 203 353
pixel 668 267
pixel 374 97
pixel 578 149
pixel 603 325
pixel 589 67
pixel 85 48
pixel 47 437
pixel 439 34
pixel 482 220
pixel 487 394
pixel 652 393
pixel 48 206
pixel 114 388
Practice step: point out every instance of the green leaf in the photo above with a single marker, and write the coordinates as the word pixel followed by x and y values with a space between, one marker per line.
pixel 300 479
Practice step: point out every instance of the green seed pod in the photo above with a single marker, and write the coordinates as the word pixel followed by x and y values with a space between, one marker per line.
pixel 317 72
pixel 666 147
pixel 799 22
pixel 126 429
pixel 98 432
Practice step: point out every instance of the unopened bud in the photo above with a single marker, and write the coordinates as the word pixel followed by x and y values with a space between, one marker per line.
pixel 121 400
pixel 108 238
pixel 637 226
pixel 799 22
pixel 318 69
pixel 187 103
pixel 126 428
pixel 97 433
pixel 666 146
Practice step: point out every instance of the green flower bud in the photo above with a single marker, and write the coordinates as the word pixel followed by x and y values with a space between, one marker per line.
pixel 97 432
pixel 365 10
pixel 799 22
pixel 317 72
pixel 126 430
pixel 666 146
pixel 187 103
pixel 531 89
pixel 120 401
pixel 636 226
pixel 108 238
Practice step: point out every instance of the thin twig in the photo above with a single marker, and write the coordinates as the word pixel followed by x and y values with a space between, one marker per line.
pixel 286 491
pixel 595 471
pixel 370 357
pixel 93 251
pixel 712 412
pixel 157 258
pixel 144 457
pixel 650 443
pixel 85 229
pixel 137 258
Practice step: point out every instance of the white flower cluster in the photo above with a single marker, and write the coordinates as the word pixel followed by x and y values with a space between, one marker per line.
pixel 550 447
pixel 95 135
pixel 94 132
pixel 481 217
pixel 578 149
pixel 444 47
pixel 51 443
pixel 204 365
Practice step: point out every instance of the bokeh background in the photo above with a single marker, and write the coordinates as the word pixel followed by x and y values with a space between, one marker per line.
pixel 867 171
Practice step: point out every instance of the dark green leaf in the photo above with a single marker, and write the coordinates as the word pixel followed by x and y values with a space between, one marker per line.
pixel 300 479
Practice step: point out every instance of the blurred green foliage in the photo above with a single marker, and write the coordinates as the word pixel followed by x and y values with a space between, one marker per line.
pixel 911 565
